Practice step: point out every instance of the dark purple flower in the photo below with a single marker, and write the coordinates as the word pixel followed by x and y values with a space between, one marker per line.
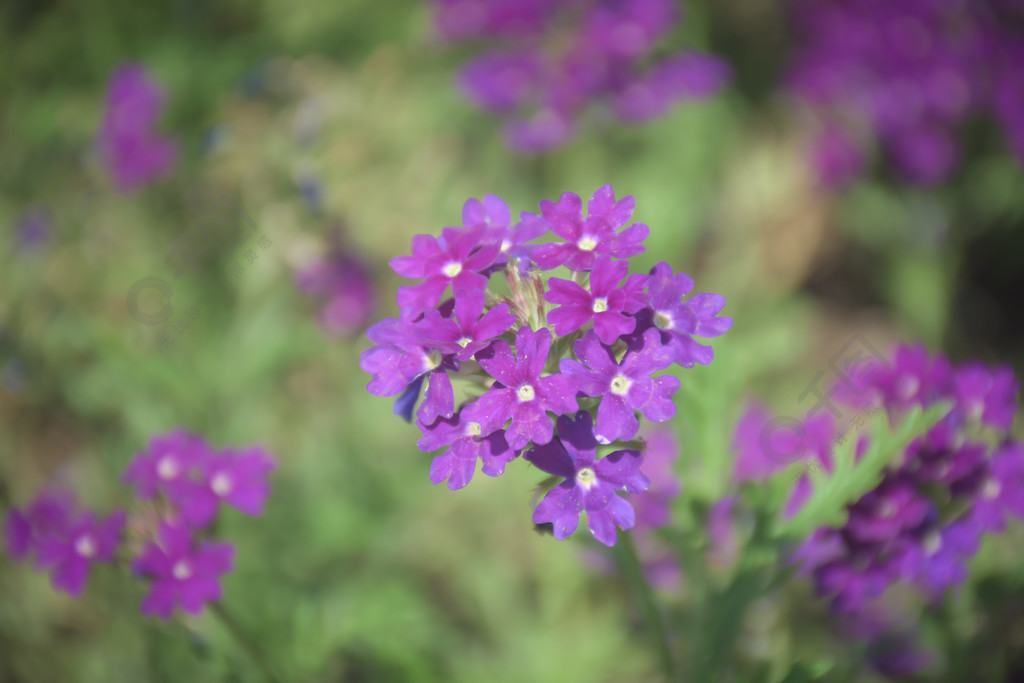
pixel 167 460
pixel 465 333
pixel 521 395
pixel 624 387
pixel 135 153
pixel 87 540
pixel 939 561
pixel 182 572
pixel 466 444
pixel 680 321
pixel 236 476
pixel 607 302
pixel 456 259
pixel 590 484
pixel 587 238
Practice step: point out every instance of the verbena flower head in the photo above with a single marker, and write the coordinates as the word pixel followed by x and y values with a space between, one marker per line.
pixel 923 521
pixel 341 284
pixel 905 77
pixel 524 369
pixel 180 482
pixel 547 62
pixel 135 153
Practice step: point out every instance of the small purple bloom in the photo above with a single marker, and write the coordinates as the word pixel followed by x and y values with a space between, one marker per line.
pixel 680 321
pixel 167 460
pixel 1001 492
pixel 913 378
pixel 466 444
pixel 590 484
pixel 456 259
pixel 183 573
pixel 653 507
pixel 587 238
pixel 135 153
pixel 236 476
pixel 465 333
pixel 87 540
pixel 939 561
pixel 343 286
pixel 521 395
pixel 624 387
pixel 607 302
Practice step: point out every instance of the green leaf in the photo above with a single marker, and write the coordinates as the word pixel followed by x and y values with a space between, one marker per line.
pixel 852 478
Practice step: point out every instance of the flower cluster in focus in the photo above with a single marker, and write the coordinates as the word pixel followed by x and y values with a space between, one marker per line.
pixel 922 523
pixel 181 482
pixel 134 152
pixel 906 76
pixel 513 362
pixel 548 60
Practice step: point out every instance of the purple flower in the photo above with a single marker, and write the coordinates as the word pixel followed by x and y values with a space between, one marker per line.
pixel 167 460
pixel 343 286
pixel 1002 490
pixel 238 477
pixel 939 561
pixel 521 395
pixel 501 81
pixel 687 76
pixel 624 387
pixel 913 378
pixel 182 572
pixel 401 363
pixel 465 333
pixel 680 321
pixel 988 396
pixel 466 444
pixel 456 259
pixel 590 484
pixel 48 517
pixel 86 541
pixel 837 158
pixel 607 302
pixel 587 238
pixel 653 507
pixel 136 155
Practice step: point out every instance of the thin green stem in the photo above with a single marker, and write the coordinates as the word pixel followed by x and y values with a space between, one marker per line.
pixel 251 649
pixel 629 564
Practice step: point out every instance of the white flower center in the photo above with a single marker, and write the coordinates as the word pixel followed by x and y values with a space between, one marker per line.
pixel 991 490
pixel 526 393
pixel 473 429
pixel 464 342
pixel 600 304
pixel 908 386
pixel 452 269
pixel 620 385
pixel 932 543
pixel 431 361
pixel 182 570
pixel 167 467
pixel 505 245
pixel 587 243
pixel 663 321
pixel 85 546
pixel 586 477
pixel 221 484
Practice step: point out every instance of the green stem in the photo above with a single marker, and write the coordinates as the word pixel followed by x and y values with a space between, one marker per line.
pixel 251 649
pixel 629 564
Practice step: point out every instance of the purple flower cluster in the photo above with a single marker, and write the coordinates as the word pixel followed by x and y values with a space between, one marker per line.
pixel 906 76
pixel 548 60
pixel 923 521
pixel 549 368
pixel 183 482
pixel 134 152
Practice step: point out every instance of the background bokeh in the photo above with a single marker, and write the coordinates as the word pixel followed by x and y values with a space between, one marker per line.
pixel 318 119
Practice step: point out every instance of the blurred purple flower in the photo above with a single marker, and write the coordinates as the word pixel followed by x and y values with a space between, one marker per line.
pixel 343 285
pixel 86 541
